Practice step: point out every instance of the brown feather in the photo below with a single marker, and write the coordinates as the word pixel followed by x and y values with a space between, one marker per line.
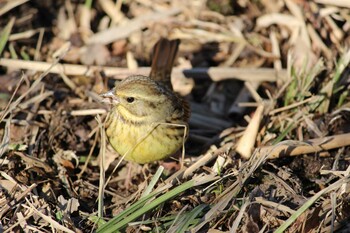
pixel 164 54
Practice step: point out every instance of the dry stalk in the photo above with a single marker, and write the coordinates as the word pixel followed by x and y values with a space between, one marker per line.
pixel 293 148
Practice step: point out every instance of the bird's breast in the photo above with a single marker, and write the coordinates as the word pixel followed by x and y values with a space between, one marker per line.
pixel 143 143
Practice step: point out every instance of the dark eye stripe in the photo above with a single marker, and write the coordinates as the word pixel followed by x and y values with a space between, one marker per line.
pixel 130 99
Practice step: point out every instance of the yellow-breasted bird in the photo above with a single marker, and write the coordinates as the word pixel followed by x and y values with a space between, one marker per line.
pixel 148 121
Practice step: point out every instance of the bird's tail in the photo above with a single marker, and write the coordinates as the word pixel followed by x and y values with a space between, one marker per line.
pixel 164 54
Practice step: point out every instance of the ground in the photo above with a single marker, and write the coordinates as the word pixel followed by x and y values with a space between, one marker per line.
pixel 268 86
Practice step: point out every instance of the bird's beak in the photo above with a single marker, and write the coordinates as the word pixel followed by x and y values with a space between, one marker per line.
pixel 109 97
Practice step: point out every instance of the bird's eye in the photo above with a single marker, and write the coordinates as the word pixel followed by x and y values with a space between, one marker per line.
pixel 130 99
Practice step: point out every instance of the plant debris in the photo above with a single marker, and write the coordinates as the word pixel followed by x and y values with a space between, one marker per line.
pixel 269 144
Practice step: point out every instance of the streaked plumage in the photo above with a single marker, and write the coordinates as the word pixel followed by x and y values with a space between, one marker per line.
pixel 141 124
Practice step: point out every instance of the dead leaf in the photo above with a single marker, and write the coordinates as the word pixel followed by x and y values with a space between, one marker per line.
pixel 95 54
pixel 68 206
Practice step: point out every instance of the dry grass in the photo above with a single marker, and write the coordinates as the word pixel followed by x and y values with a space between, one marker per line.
pixel 268 83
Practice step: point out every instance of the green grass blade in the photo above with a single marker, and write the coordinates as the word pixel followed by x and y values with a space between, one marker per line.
pixel 136 206
pixel 283 134
pixel 190 217
pixel 342 63
pixel 112 227
pixel 310 202
pixel 88 4
pixel 13 51
pixel 153 182
pixel 5 34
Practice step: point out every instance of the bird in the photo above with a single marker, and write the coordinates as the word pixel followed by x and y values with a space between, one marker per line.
pixel 148 121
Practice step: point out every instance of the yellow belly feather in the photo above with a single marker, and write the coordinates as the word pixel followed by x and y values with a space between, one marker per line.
pixel 143 143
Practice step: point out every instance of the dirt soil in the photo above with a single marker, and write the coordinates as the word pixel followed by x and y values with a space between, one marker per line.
pixel 268 85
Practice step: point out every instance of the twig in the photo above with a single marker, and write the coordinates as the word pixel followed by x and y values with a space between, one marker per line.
pixel 4 112
pixel 18 198
pixel 246 142
pixel 120 32
pixel 340 3
pixel 87 112
pixel 294 105
pixel 209 156
pixel 32 87
pixel 48 219
pixel 89 156
pixel 10 5
pixel 306 147
pixel 102 179
pixel 214 73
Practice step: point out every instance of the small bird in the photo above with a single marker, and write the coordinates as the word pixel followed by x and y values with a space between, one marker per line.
pixel 148 120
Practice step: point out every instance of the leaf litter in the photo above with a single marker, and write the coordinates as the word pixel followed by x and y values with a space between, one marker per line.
pixel 268 83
